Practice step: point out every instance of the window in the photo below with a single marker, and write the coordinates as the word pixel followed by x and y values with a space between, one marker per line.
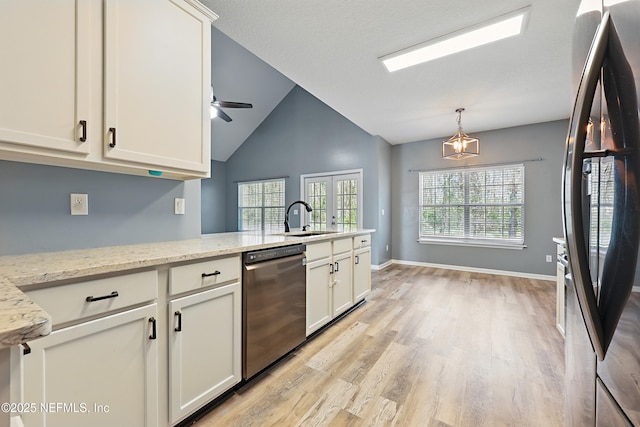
pixel 261 205
pixel 601 183
pixel 483 206
pixel 336 200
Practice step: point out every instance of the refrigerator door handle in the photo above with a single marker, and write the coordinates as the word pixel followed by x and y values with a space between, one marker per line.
pixel 572 195
pixel 619 267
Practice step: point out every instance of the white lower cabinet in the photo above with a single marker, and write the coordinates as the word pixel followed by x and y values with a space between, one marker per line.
pixel 318 293
pixel 204 347
pixel 342 284
pixel 97 373
pixel 361 273
pixel 335 282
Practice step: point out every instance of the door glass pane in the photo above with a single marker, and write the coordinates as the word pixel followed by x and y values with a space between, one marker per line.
pixel 347 205
pixel 317 198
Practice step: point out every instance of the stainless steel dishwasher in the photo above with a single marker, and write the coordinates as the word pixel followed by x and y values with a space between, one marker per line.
pixel 273 305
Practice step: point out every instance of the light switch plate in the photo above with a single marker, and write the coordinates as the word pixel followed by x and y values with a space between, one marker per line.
pixel 79 204
pixel 178 206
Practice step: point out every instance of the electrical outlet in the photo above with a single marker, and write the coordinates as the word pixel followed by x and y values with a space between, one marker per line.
pixel 549 258
pixel 386 248
pixel 178 206
pixel 79 204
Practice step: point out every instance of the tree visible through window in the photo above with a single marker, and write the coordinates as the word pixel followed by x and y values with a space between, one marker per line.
pixel 261 205
pixel 473 205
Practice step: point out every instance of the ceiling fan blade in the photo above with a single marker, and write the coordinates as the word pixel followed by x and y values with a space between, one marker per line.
pixel 224 116
pixel 231 104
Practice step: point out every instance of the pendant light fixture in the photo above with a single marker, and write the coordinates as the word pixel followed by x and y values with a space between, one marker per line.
pixel 460 145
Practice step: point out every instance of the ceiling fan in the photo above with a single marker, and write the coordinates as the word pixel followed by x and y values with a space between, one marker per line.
pixel 216 107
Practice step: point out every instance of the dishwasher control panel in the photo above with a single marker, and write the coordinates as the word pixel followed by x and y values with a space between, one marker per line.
pixel 273 253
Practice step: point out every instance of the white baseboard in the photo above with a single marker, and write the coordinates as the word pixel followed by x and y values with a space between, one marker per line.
pixel 381 266
pixel 473 269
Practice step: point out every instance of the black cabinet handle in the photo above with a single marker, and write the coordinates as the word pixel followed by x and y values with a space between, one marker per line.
pixel 179 327
pixel 331 268
pixel 357 259
pixel 83 125
pixel 337 267
pixel 111 295
pixel 215 273
pixel 25 349
pixel 153 335
pixel 113 137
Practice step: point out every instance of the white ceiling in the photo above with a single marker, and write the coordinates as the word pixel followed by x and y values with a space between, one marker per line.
pixel 331 49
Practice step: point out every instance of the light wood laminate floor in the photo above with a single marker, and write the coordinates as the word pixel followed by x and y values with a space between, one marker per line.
pixel 430 347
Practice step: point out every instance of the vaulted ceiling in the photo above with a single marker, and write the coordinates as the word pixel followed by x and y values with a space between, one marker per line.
pixel 331 49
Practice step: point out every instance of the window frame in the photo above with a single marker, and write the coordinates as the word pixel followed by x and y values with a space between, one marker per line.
pixel 262 207
pixel 466 206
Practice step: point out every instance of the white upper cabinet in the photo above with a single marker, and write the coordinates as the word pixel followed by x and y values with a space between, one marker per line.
pixel 112 85
pixel 44 75
pixel 157 84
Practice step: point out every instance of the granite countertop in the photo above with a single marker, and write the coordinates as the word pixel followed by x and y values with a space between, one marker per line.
pixel 22 320
pixel 559 240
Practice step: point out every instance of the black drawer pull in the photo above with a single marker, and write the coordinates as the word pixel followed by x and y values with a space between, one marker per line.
pixel 215 273
pixel 111 295
pixel 357 259
pixel 83 125
pixel 153 335
pixel 113 137
pixel 179 327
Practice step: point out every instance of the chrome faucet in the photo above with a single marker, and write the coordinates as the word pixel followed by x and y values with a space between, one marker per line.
pixel 286 216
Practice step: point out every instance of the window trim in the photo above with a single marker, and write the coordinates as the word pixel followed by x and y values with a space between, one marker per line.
pixel 478 242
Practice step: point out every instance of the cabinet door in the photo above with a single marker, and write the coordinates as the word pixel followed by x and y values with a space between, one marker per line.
pixel 342 287
pixel 204 347
pixel 99 373
pixel 318 294
pixel 44 76
pixel 361 274
pixel 157 84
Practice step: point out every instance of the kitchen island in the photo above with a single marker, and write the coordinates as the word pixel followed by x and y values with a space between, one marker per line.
pixel 146 277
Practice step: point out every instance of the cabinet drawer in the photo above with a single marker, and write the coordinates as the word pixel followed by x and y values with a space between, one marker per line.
pixel 68 303
pixel 362 241
pixel 318 251
pixel 342 245
pixel 203 274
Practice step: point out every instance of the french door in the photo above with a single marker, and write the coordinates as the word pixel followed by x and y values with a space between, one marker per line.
pixel 336 200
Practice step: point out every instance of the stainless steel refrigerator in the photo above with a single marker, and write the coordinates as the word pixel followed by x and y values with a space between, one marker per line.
pixel 601 206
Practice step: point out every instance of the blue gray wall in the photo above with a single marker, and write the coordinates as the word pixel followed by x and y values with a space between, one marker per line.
pixel 543 215
pixel 213 191
pixel 123 209
pixel 301 136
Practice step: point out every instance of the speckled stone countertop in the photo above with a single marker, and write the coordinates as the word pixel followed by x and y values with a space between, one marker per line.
pixel 22 320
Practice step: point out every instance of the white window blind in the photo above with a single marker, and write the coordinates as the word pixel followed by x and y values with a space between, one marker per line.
pixel 261 205
pixel 480 205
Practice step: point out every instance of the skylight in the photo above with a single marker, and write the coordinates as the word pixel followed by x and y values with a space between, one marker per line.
pixel 496 29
